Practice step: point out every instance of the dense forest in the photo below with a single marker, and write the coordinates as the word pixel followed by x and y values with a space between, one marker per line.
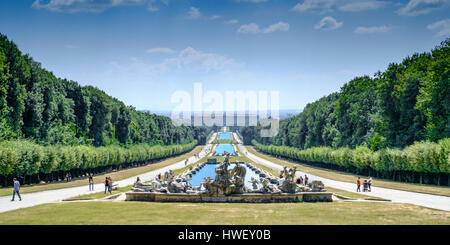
pixel 49 111
pixel 407 103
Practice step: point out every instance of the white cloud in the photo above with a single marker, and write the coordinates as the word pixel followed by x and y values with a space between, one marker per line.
pixel 160 50
pixel 215 17
pixel 313 4
pixel 361 5
pixel 341 5
pixel 194 13
pixel 195 58
pixel 280 26
pixel 419 7
pixel 328 23
pixel 371 29
pixel 186 61
pixel 442 27
pixel 253 28
pixel 249 28
pixel 233 21
pixel 92 6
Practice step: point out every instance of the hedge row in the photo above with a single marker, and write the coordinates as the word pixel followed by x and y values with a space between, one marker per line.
pixel 419 158
pixel 25 158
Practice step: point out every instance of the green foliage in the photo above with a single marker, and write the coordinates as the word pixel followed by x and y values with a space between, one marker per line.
pixel 23 157
pixel 421 157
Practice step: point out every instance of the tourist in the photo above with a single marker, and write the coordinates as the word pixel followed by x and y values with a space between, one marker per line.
pixel 301 179
pixel 110 185
pixel 358 185
pixel 186 162
pixel 106 184
pixel 297 181
pixel 369 183
pixel 16 190
pixel 91 183
pixel 67 177
pixel 365 185
pixel 306 179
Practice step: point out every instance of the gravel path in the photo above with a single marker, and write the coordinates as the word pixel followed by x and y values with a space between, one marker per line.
pixel 36 198
pixel 420 199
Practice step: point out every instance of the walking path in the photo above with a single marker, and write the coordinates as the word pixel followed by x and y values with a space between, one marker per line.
pixel 420 199
pixel 36 198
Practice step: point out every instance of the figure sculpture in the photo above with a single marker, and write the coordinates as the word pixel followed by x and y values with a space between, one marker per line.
pixel 254 183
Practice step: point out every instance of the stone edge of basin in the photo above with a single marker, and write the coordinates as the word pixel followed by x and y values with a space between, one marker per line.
pixel 243 198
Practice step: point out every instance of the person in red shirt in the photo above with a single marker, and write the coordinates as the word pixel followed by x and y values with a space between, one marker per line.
pixel 358 184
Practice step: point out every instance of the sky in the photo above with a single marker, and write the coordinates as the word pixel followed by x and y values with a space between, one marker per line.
pixel 143 51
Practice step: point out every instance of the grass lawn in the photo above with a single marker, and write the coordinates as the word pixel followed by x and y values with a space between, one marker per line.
pixel 100 195
pixel 348 177
pixel 148 213
pixel 118 175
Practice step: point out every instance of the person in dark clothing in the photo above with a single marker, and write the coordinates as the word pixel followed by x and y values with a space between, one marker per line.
pixel 16 190
pixel 106 184
pixel 365 185
pixel 110 185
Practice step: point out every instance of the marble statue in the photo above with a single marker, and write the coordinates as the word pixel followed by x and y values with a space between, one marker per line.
pixel 254 183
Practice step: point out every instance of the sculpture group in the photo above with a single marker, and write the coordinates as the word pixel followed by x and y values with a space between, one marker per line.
pixel 228 181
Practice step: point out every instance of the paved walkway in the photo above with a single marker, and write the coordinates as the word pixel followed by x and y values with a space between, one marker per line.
pixel 36 198
pixel 420 199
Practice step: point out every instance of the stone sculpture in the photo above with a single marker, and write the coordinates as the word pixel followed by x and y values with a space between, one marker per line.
pixel 316 186
pixel 254 183
pixel 287 183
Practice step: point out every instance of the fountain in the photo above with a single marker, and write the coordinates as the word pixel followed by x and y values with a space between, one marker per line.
pixel 228 186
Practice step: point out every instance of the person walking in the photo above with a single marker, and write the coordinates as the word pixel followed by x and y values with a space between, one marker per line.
pixel 110 185
pixel 358 185
pixel 365 185
pixel 106 184
pixel 306 179
pixel 186 162
pixel 91 182
pixel 369 183
pixel 16 190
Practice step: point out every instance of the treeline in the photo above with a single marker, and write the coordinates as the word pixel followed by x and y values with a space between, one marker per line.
pixel 408 102
pixel 421 162
pixel 36 105
pixel 31 162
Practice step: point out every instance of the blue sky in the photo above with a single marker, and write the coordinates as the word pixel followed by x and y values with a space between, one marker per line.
pixel 142 51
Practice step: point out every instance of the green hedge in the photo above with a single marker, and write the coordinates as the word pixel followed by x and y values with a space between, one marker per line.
pixel 419 158
pixel 25 158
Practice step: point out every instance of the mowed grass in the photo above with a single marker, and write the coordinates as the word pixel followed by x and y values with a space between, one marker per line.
pixel 148 213
pixel 100 195
pixel 118 175
pixel 348 177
